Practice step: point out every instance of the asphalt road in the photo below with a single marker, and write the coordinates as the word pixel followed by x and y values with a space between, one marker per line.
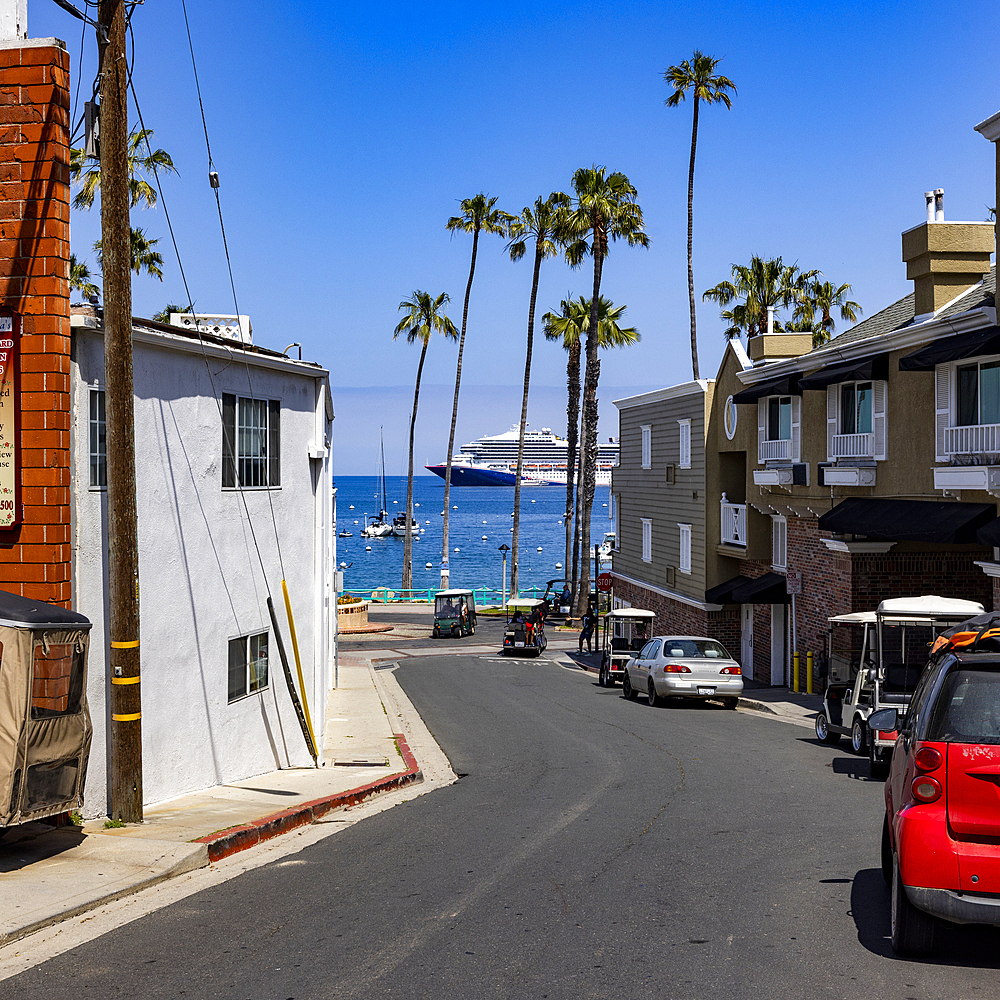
pixel 593 848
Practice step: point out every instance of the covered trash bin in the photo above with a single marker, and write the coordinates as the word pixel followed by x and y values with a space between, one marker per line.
pixel 45 728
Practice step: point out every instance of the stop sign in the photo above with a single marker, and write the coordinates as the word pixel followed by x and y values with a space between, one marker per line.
pixel 604 581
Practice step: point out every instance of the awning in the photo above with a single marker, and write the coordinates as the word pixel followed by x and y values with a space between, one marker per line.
pixel 767 589
pixel 909 520
pixel 875 366
pixel 722 593
pixel 990 534
pixel 962 345
pixel 786 386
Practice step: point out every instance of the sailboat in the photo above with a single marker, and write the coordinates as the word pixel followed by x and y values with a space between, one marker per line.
pixel 379 526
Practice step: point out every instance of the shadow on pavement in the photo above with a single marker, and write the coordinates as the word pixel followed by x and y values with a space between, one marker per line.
pixel 971 946
pixel 21 846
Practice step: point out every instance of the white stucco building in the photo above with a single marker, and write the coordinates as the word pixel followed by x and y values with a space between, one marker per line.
pixel 215 707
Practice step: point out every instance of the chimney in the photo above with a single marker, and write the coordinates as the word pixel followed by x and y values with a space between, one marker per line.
pixel 944 259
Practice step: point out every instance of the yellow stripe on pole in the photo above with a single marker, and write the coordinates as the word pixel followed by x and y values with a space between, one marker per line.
pixel 127 718
pixel 131 644
pixel 298 662
pixel 124 680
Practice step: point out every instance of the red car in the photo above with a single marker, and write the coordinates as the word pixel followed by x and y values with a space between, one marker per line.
pixel 941 834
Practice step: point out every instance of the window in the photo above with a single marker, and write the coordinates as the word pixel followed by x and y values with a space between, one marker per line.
pixel 247 665
pixel 252 429
pixel 685 436
pixel 779 418
pixel 647 446
pixel 856 408
pixel 685 560
pixel 730 418
pixel 56 677
pixel 647 540
pixel 98 441
pixel 779 542
pixel 979 394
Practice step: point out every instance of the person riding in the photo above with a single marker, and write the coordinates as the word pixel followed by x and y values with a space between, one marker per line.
pixel 566 598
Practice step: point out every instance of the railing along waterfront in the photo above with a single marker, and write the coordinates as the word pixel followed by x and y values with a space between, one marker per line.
pixel 734 522
pixel 977 439
pixel 391 595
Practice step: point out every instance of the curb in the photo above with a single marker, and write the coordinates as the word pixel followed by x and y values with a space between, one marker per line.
pixel 756 706
pixel 239 838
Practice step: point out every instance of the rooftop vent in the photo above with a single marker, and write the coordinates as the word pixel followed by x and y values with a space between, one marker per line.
pixel 219 324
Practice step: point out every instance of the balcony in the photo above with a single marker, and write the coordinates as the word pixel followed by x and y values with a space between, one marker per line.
pixel 853 446
pixel 978 439
pixel 734 523
pixel 774 451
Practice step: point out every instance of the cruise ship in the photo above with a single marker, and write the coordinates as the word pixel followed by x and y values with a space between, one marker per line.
pixel 492 460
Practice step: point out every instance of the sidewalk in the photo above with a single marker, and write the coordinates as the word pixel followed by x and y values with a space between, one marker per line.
pixel 48 874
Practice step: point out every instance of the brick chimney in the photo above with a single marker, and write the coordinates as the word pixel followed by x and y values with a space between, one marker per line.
pixel 945 259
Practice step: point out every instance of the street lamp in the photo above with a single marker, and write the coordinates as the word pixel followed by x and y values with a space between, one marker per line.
pixel 504 549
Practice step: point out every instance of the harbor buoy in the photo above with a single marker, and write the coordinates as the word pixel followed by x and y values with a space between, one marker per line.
pixel 484 522
pixel 355 522
pixel 442 513
pixel 534 501
pixel 428 565
pixel 454 507
pixel 416 505
pixel 558 565
pixel 343 565
pixel 351 507
pixel 457 550
pixel 427 522
pixel 511 513
pixel 560 524
pixel 484 538
pixel 539 549
pixel 603 504
pixel 368 548
pixel 396 501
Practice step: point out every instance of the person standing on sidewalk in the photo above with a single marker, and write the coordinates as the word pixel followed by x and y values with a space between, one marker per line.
pixel 588 622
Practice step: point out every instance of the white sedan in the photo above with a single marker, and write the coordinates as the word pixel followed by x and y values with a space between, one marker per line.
pixel 683 667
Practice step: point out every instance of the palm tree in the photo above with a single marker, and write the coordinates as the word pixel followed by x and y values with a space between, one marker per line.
pixel 700 78
pixel 760 285
pixel 144 257
pixel 823 297
pixel 164 315
pixel 569 325
pixel 479 214
pixel 79 278
pixel 422 315
pixel 546 224
pixel 605 210
pixel 86 171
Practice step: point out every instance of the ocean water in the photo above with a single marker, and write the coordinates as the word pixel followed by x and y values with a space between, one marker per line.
pixel 477 511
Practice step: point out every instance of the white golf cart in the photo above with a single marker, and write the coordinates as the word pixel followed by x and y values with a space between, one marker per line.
pixel 524 631
pixel 851 653
pixel 624 631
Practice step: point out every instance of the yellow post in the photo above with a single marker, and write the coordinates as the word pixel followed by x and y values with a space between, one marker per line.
pixel 809 672
pixel 795 672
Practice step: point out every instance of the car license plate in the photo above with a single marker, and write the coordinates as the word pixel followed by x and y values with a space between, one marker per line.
pixel 521 644
pixel 706 690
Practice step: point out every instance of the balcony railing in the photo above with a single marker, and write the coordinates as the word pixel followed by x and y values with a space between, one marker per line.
pixel 774 451
pixel 980 439
pixel 734 522
pixel 853 445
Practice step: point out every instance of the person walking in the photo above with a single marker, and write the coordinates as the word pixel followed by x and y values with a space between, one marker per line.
pixel 588 622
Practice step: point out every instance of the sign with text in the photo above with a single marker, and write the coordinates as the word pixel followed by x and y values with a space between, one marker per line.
pixel 10 422
pixel 604 582
pixel 793 583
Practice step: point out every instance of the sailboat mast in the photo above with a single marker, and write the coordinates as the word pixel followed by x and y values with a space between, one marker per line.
pixel 385 510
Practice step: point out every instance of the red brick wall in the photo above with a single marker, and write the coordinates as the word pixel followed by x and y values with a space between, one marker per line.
pixel 906 574
pixel 34 281
pixel 50 685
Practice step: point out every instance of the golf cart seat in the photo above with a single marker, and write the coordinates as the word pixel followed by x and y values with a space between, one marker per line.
pixel 900 680
pixel 620 645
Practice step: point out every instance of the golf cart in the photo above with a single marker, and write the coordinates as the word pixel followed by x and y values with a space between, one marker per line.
pixel 454 613
pixel 553 600
pixel 847 702
pixel 624 631
pixel 524 631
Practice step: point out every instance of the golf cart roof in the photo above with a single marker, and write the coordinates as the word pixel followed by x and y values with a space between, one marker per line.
pixel 453 593
pixel 22 612
pixel 524 602
pixel 854 618
pixel 929 607
pixel 630 613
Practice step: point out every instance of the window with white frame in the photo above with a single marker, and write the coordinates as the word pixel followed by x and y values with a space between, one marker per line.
pixel 978 393
pixel 251 442
pixel 855 420
pixel 967 409
pixel 684 427
pixel 778 425
pixel 779 542
pixel 779 418
pixel 98 441
pixel 647 539
pixel 685 540
pixel 647 446
pixel 247 665
pixel 856 407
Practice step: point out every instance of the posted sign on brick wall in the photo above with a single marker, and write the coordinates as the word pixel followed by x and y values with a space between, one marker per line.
pixel 10 423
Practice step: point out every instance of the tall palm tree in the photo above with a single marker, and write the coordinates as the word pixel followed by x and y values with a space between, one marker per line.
pixel 823 297
pixel 79 278
pixel 605 210
pixel 479 215
pixel 144 256
pixel 760 284
pixel 700 78
pixel 570 325
pixel 86 171
pixel 546 224
pixel 422 315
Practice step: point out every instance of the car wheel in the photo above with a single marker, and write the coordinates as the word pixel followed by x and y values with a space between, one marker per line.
pixel 859 740
pixel 730 702
pixel 651 696
pixel 627 691
pixel 886 851
pixel 823 733
pixel 912 929
pixel 879 762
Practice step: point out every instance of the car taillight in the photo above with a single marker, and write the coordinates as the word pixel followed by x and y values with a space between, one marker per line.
pixel 730 670
pixel 928 759
pixel 925 788
pixel 676 668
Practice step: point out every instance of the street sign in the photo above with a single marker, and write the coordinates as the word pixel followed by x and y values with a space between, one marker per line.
pixel 793 583
pixel 604 582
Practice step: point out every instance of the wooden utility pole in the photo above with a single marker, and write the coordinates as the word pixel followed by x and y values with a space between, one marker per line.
pixel 126 713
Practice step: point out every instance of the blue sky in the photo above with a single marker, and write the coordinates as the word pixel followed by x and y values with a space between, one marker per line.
pixel 346 134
